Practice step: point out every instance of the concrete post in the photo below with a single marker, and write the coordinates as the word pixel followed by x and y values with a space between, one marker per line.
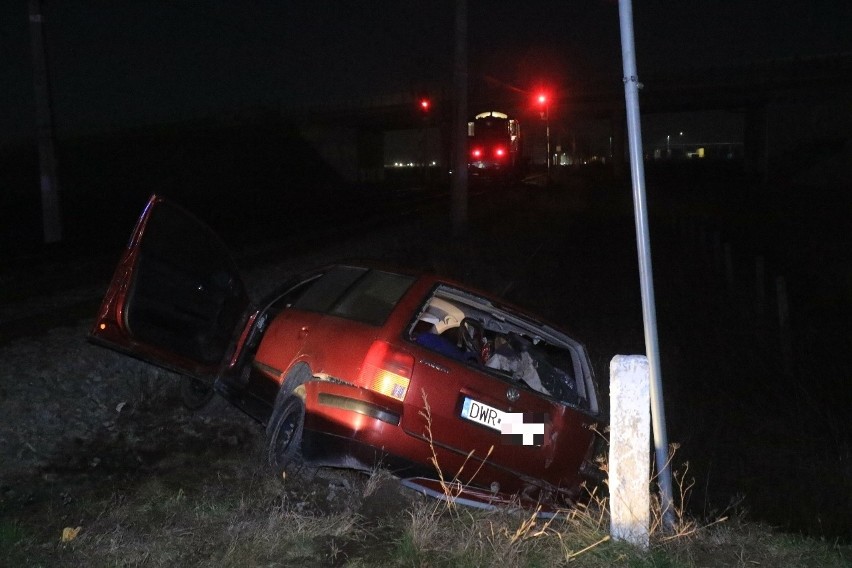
pixel 784 324
pixel 630 449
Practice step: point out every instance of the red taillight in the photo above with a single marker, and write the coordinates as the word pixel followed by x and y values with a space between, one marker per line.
pixel 499 151
pixel 387 370
pixel 476 153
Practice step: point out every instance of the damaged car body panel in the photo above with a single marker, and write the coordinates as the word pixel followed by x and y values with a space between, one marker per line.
pixel 355 365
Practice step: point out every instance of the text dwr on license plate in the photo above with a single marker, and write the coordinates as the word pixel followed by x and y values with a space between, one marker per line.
pixel 481 413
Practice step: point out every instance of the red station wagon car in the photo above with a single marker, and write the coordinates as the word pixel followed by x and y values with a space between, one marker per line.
pixel 355 366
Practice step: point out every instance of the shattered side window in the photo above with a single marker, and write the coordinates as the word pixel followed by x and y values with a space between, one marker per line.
pixel 475 331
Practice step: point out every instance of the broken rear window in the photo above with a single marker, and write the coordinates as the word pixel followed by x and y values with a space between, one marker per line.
pixel 471 329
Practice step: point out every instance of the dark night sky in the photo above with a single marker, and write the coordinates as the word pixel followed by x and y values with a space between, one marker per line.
pixel 131 61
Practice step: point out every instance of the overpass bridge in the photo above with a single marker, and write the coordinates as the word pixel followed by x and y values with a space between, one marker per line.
pixel 780 104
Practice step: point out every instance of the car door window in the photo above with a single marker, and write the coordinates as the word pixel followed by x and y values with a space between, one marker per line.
pixel 355 293
pixel 373 297
pixel 326 291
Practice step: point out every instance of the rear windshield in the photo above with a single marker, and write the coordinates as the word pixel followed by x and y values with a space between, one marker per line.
pixel 355 293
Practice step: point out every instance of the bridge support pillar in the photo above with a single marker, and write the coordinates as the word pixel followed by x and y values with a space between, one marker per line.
pixel 356 154
pixel 756 142
pixel 371 155
pixel 618 135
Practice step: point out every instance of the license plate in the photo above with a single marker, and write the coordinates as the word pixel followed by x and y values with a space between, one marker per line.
pixel 482 413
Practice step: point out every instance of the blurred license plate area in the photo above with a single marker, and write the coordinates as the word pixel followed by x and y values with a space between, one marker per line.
pixel 482 413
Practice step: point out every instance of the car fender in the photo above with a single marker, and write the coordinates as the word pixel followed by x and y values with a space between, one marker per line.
pixel 297 375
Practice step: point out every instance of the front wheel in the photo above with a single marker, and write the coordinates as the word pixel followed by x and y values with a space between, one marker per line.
pixel 284 436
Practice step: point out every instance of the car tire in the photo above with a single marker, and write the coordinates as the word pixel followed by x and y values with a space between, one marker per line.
pixel 284 435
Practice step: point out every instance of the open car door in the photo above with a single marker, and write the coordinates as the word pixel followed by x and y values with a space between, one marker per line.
pixel 176 298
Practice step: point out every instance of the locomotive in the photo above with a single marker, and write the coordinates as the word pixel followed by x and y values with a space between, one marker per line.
pixel 494 142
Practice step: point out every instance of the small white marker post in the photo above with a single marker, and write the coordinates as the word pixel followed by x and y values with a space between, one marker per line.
pixel 630 449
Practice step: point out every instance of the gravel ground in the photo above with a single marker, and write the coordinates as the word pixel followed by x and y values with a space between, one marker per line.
pixel 64 401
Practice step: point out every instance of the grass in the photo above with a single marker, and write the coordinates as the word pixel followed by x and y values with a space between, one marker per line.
pixel 221 509
pixel 258 527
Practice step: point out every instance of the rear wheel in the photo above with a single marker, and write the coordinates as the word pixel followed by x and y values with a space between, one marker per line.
pixel 284 435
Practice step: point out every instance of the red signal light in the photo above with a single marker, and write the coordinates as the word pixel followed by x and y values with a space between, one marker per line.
pixel 425 105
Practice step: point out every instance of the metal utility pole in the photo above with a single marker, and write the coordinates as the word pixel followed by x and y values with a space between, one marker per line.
pixel 543 100
pixel 643 244
pixel 50 209
pixel 547 135
pixel 459 178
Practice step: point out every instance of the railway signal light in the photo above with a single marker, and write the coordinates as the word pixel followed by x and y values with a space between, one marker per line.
pixel 425 105
pixel 542 98
pixel 542 101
